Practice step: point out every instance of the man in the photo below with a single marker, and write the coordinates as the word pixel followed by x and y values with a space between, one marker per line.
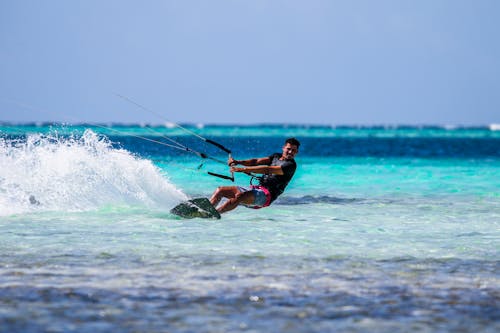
pixel 277 170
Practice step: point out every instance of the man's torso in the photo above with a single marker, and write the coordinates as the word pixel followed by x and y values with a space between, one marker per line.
pixel 276 184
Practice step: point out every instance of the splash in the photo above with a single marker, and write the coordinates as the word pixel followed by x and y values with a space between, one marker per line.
pixel 54 173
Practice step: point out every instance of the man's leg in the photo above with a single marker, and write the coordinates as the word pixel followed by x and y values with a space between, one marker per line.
pixel 223 192
pixel 242 197
pixel 234 196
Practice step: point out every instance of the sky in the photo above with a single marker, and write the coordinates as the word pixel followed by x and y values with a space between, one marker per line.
pixel 326 62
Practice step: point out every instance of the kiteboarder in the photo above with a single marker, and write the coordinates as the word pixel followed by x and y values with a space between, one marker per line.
pixel 276 172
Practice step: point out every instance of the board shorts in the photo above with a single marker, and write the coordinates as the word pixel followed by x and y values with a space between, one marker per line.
pixel 262 196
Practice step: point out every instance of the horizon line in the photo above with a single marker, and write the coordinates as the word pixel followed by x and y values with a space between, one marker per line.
pixel 491 126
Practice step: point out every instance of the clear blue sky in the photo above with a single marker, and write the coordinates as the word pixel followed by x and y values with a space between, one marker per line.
pixel 317 62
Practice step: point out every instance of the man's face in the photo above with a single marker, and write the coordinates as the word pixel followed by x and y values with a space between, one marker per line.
pixel 289 151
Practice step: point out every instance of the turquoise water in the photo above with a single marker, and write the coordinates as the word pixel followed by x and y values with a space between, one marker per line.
pixel 381 229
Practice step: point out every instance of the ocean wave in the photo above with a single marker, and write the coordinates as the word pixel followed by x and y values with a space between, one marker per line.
pixel 53 173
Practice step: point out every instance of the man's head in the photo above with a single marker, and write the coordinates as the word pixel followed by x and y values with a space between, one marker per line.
pixel 291 148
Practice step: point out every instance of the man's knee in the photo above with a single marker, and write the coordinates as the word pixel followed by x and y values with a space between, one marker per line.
pixel 219 190
pixel 225 191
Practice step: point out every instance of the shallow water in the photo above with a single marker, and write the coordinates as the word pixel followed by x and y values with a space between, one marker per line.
pixel 363 240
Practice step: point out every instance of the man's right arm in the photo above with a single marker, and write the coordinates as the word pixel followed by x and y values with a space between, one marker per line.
pixel 250 162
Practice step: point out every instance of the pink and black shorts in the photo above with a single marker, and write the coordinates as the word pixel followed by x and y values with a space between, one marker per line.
pixel 261 194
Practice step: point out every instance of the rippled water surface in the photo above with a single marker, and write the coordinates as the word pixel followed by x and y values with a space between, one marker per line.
pixel 380 230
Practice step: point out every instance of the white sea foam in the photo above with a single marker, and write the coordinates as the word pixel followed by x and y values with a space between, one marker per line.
pixel 494 127
pixel 53 173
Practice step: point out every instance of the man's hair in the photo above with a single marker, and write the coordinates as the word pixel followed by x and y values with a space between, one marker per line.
pixel 293 142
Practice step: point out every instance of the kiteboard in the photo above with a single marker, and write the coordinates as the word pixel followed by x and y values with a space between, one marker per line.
pixel 198 207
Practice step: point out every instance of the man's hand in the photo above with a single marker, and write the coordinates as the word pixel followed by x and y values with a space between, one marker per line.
pixel 245 170
pixel 231 161
pixel 235 169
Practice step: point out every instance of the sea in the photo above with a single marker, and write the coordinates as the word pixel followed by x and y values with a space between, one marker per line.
pixel 382 229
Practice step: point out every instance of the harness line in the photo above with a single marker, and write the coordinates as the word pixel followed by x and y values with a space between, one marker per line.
pixel 179 145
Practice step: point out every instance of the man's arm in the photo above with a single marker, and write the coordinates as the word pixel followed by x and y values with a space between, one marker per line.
pixel 250 162
pixel 262 169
